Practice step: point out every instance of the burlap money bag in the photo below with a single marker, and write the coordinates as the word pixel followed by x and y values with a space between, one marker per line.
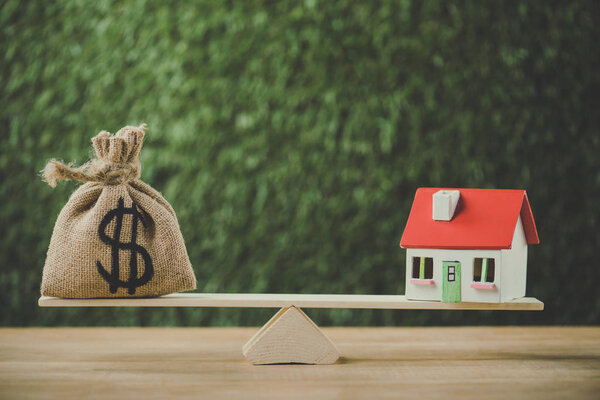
pixel 116 236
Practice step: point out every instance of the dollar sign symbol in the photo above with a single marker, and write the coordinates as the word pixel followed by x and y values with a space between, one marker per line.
pixel 115 243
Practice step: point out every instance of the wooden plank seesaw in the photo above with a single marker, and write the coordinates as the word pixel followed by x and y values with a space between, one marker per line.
pixel 290 336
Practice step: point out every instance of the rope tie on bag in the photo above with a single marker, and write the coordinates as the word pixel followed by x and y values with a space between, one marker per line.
pixel 116 160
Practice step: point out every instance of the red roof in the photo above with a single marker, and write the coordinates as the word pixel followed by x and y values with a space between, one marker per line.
pixel 484 219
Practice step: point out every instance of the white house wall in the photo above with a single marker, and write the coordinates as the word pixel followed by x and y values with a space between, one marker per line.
pixel 466 259
pixel 514 266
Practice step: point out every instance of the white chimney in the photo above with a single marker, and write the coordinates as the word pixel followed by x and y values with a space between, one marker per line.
pixel 444 204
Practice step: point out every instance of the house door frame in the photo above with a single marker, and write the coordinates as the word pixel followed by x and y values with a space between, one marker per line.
pixel 451 281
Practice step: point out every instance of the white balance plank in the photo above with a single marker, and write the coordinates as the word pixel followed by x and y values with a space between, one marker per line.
pixel 290 337
pixel 275 300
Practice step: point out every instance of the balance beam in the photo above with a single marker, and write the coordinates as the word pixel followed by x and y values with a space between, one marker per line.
pixel 275 300
pixel 290 336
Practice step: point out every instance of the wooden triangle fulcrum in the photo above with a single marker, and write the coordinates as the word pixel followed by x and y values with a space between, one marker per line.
pixel 290 337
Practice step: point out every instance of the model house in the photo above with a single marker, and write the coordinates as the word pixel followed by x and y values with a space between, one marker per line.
pixel 468 245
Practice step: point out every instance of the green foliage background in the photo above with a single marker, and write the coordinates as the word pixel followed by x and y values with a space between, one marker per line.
pixel 290 138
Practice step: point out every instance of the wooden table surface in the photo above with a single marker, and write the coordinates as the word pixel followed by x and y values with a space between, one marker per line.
pixel 152 363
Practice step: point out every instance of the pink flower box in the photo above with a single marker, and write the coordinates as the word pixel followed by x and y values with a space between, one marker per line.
pixel 483 285
pixel 422 281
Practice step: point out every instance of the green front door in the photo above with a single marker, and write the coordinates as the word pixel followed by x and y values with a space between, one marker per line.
pixel 450 281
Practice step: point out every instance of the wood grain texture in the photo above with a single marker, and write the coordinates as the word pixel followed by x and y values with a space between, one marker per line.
pixel 388 363
pixel 280 300
pixel 290 337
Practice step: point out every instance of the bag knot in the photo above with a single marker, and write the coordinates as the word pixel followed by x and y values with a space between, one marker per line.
pixel 116 160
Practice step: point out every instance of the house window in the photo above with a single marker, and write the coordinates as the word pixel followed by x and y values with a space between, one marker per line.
pixel 484 270
pixel 422 268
